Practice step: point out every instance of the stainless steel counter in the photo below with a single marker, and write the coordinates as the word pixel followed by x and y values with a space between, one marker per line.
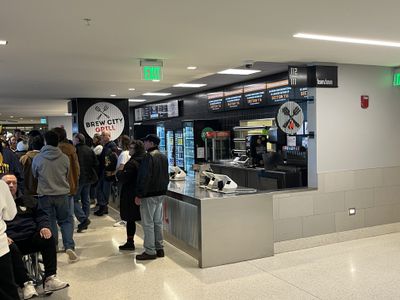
pixel 218 228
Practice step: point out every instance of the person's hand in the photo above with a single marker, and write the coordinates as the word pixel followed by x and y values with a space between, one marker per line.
pixel 10 241
pixel 45 233
pixel 138 200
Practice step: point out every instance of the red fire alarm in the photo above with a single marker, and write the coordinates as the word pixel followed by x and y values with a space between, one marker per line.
pixel 364 101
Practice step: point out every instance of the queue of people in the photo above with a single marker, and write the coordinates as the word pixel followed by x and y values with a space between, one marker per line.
pixel 55 180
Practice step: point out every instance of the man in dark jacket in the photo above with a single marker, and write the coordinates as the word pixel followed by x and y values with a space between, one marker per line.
pixel 29 232
pixel 152 185
pixel 88 165
pixel 9 163
pixel 108 163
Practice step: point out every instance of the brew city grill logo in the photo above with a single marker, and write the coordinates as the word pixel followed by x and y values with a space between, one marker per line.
pixel 104 116
pixel 290 117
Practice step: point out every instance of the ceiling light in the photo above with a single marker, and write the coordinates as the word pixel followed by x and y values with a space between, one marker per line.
pixel 346 40
pixel 239 71
pixel 156 94
pixel 131 89
pixel 68 114
pixel 137 100
pixel 3 42
pixel 191 68
pixel 190 85
pixel 156 80
pixel 21 118
pixel 113 95
pixel 11 117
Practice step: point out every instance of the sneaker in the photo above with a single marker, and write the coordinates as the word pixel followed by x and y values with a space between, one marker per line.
pixel 53 284
pixel 160 253
pixel 72 256
pixel 127 246
pixel 83 226
pixel 29 290
pixel 145 256
pixel 101 211
pixel 120 224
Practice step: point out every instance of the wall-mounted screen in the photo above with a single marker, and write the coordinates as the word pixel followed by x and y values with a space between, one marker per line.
pixel 158 111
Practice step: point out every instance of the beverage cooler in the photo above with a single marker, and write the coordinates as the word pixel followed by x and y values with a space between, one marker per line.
pixel 194 141
pixel 161 135
pixel 179 149
pixel 170 147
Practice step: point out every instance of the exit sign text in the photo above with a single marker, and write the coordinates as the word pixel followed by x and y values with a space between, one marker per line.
pixel 152 73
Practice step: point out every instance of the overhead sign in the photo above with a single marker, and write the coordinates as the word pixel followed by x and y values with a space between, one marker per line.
pixel 233 99
pixel 396 79
pixel 215 101
pixel 152 73
pixel 104 116
pixel 313 76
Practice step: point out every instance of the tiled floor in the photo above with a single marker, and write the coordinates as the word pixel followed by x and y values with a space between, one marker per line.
pixel 360 269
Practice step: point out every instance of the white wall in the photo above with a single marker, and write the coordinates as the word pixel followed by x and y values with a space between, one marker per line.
pixel 349 137
pixel 65 122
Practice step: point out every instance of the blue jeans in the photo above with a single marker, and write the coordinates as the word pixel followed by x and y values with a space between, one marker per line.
pixel 103 191
pixel 82 212
pixel 151 213
pixel 60 210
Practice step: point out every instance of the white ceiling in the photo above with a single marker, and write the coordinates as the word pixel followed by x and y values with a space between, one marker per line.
pixel 52 55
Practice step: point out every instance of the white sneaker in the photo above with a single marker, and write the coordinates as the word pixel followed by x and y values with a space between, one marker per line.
pixel 72 256
pixel 120 224
pixel 29 290
pixel 53 284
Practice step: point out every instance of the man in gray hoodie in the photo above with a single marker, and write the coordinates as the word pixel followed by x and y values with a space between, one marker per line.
pixel 51 168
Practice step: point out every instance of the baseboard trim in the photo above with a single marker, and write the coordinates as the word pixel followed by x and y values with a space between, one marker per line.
pixel 337 237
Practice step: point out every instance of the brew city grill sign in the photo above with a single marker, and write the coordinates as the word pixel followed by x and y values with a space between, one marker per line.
pixel 104 116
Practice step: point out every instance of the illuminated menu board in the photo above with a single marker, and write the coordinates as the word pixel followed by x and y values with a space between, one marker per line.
pixel 278 91
pixel 254 95
pixel 299 93
pixel 233 99
pixel 158 111
pixel 216 101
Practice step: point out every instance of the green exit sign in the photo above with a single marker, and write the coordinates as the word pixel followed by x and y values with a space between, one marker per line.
pixel 152 73
pixel 396 79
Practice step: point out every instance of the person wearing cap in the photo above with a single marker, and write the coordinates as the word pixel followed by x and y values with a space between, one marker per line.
pixel 152 185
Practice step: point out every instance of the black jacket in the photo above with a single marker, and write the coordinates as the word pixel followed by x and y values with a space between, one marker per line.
pixel 108 159
pixel 153 177
pixel 129 211
pixel 10 164
pixel 88 164
pixel 28 221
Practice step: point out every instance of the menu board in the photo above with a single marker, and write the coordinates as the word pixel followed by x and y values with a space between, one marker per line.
pixel 255 95
pixel 216 101
pixel 299 93
pixel 233 99
pixel 158 111
pixel 278 92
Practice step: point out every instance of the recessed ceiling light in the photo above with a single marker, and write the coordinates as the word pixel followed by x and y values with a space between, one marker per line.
pixel 11 117
pixel 191 68
pixel 21 118
pixel 137 100
pixel 113 95
pixel 190 85
pixel 3 42
pixel 131 89
pixel 156 94
pixel 68 114
pixel 241 72
pixel 156 80
pixel 346 40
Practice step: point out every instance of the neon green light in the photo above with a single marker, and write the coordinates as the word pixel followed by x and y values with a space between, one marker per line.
pixel 396 79
pixel 152 73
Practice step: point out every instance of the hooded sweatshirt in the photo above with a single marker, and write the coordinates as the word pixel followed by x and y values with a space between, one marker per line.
pixel 51 168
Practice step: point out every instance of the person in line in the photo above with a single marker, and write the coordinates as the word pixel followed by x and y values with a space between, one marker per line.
pixel 12 141
pixel 22 148
pixel 9 163
pixel 129 210
pixel 8 210
pixel 51 168
pixel 35 143
pixel 18 134
pixel 88 164
pixel 97 148
pixel 152 185
pixel 108 162
pixel 29 232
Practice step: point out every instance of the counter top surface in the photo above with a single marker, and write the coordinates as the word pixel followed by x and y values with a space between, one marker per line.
pixel 189 189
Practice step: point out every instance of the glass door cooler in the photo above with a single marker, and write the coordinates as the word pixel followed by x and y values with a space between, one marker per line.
pixel 179 150
pixel 170 148
pixel 161 135
pixel 189 151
